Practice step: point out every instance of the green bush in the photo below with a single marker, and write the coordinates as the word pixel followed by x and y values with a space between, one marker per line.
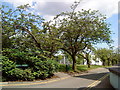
pixel 38 67
pixel 7 65
pixel 10 72
pixel 62 67
pixel 19 74
pixel 43 69
pixel 15 55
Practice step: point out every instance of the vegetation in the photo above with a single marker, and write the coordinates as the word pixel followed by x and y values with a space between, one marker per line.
pixel 107 56
pixel 38 67
pixel 30 44
pixel 21 46
pixel 79 68
pixel 77 31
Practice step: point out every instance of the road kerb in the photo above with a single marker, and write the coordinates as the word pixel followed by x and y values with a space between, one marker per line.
pixel 35 83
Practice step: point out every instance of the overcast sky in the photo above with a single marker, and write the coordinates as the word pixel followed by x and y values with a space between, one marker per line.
pixel 49 8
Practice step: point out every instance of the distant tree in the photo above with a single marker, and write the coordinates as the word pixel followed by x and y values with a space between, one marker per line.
pixel 80 60
pixel 115 56
pixel 105 55
pixel 86 54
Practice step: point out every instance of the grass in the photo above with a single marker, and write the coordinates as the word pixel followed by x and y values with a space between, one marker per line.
pixel 79 68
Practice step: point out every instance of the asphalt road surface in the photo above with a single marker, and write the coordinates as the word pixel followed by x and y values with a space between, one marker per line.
pixel 86 80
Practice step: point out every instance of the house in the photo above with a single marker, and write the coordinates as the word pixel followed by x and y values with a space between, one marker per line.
pixel 94 61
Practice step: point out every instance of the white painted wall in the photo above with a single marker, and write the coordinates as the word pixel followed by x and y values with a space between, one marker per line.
pixel 93 62
pixel 97 62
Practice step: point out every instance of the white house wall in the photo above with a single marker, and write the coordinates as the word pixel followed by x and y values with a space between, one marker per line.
pixel 93 62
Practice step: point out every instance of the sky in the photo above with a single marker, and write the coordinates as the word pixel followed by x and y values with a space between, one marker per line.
pixel 49 8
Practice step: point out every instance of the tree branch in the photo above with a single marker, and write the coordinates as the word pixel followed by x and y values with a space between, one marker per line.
pixel 66 51
pixel 34 38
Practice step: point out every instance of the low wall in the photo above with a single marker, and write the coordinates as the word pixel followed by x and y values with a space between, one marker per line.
pixel 115 77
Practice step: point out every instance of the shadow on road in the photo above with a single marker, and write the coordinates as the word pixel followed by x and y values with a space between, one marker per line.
pixel 105 84
pixel 95 76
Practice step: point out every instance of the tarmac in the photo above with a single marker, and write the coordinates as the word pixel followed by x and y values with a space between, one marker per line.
pixel 104 84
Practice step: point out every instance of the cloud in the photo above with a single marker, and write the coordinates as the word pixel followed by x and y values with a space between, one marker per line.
pixel 50 8
pixel 107 7
pixel 18 3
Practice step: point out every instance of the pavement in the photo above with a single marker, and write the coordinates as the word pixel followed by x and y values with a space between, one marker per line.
pixel 96 78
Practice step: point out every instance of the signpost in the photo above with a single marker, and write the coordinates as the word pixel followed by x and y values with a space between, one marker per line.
pixel 67 63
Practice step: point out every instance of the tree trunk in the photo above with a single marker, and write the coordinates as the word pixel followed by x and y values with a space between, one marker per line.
pixel 88 63
pixel 34 38
pixel 116 62
pixel 74 61
pixel 112 62
pixel 83 62
pixel 103 63
pixel 108 62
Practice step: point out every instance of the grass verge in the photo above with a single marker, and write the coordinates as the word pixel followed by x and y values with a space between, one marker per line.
pixel 79 68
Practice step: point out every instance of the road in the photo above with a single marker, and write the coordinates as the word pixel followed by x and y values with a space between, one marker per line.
pixel 85 80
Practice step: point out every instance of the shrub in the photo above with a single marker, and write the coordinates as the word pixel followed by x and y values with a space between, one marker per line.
pixel 52 66
pixel 15 55
pixel 7 65
pixel 19 74
pixel 43 69
pixel 38 67
pixel 62 67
